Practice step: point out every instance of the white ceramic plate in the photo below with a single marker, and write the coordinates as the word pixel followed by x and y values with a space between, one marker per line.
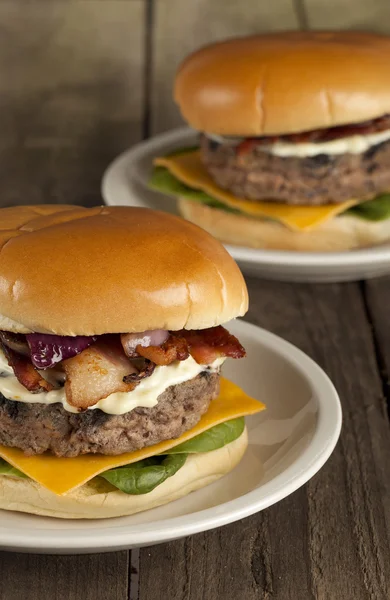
pixel 288 444
pixel 125 183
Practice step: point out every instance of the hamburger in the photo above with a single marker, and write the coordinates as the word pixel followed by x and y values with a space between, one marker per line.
pixel 294 149
pixel 111 347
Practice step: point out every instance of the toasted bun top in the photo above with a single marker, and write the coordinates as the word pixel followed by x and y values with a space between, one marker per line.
pixel 285 82
pixel 82 271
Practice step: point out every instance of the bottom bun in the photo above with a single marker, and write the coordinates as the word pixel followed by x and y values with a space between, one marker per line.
pixel 344 232
pixel 97 499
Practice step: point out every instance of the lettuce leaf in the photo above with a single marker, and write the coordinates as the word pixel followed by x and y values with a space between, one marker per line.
pixel 377 209
pixel 7 469
pixel 145 475
pixel 213 438
pixel 162 180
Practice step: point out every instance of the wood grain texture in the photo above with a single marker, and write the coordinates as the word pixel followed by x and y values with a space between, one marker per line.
pixel 94 577
pixel 329 540
pixel 71 91
pixel 371 15
pixel 181 27
pixel 350 498
pixel 376 293
pixel 242 560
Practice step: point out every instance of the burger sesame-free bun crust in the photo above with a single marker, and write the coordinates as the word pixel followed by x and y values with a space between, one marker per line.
pixel 75 271
pixel 285 82
pixel 340 233
pixel 98 500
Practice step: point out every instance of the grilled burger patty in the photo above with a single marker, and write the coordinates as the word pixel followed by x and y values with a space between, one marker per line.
pixel 315 180
pixel 37 428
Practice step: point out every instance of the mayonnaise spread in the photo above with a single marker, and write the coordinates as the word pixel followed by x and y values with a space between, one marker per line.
pixel 145 394
pixel 354 144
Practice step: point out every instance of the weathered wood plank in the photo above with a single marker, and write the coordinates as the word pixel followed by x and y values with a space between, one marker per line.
pixel 71 87
pixel 86 577
pixel 371 15
pixel 236 561
pixel 349 510
pixel 181 27
pixel 331 538
pixel 376 292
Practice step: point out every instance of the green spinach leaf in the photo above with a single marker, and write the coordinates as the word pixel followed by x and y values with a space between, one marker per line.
pixel 7 469
pixel 143 476
pixel 377 209
pixel 212 439
pixel 163 181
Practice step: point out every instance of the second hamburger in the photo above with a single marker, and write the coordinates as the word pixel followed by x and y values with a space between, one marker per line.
pixel 295 141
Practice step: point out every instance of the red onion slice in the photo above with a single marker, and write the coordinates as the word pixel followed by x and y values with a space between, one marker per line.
pixel 154 337
pixel 48 350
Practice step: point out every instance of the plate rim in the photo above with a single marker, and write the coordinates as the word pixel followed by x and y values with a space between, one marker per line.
pixel 362 257
pixel 302 469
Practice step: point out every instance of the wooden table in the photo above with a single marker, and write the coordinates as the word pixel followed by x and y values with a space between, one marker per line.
pixel 82 80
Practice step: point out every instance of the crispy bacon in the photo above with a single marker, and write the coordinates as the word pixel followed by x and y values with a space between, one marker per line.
pixel 146 371
pixel 246 146
pixel 25 372
pixel 206 345
pixel 317 135
pixel 175 348
pixel 97 372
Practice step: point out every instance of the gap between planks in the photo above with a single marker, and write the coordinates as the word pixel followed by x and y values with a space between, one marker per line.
pixel 380 348
pixel 301 14
pixel 148 67
pixel 134 574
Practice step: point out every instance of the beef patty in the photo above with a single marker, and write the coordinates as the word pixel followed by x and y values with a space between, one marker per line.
pixel 314 180
pixel 37 428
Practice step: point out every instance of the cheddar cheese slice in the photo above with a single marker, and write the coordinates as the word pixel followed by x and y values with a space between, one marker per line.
pixel 188 168
pixel 61 475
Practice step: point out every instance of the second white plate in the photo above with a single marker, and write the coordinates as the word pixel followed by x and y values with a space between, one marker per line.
pixel 125 182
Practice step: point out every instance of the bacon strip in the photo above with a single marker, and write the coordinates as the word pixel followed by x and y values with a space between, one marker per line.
pixel 175 348
pixel 206 345
pixel 317 135
pixel 97 372
pixel 25 372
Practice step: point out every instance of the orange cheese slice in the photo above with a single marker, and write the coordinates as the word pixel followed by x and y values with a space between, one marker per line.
pixel 188 168
pixel 61 475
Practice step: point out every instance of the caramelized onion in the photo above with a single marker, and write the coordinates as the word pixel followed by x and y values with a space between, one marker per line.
pixel 16 342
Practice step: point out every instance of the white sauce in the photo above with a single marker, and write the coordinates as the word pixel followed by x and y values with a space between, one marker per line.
pixel 145 394
pixel 354 144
